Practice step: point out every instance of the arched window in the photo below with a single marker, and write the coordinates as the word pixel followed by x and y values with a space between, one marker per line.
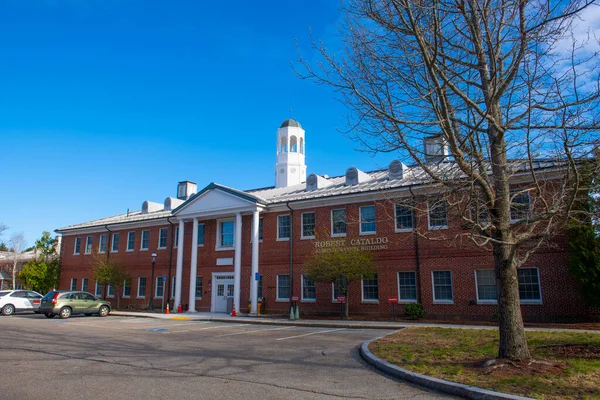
pixel 301 146
pixel 283 147
pixel 293 144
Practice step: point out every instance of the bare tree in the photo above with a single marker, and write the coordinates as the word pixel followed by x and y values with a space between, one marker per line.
pixel 2 228
pixel 16 243
pixel 509 87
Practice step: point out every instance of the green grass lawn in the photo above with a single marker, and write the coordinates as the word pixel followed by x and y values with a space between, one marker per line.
pixel 567 363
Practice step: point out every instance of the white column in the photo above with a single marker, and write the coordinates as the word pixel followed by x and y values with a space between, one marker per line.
pixel 237 266
pixel 193 268
pixel 179 270
pixel 253 281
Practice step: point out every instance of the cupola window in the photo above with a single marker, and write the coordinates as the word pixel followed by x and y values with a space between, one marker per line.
pixel 293 144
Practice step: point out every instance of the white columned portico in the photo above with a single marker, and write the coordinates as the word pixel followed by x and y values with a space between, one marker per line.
pixel 193 267
pixel 237 266
pixel 179 270
pixel 253 281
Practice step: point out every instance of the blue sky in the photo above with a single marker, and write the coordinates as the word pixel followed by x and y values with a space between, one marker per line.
pixel 107 103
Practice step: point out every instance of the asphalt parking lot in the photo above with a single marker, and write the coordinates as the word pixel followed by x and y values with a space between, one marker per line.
pixel 130 358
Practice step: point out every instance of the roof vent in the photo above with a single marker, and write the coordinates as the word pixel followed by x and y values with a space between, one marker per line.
pixel 186 189
pixel 436 148
pixel 314 182
pixel 396 170
pixel 149 206
pixel 354 176
pixel 172 203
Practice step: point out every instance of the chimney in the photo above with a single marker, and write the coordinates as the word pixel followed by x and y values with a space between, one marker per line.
pixel 186 189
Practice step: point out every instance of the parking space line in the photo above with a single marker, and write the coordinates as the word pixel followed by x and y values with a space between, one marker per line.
pixel 308 334
pixel 257 330
pixel 212 327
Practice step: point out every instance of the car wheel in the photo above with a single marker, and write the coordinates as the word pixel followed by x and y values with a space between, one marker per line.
pixel 65 312
pixel 8 309
pixel 103 311
pixel 49 315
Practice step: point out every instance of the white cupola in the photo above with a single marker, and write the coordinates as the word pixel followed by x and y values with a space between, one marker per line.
pixel 290 168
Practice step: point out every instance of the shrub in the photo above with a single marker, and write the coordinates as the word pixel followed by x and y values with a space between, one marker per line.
pixel 414 310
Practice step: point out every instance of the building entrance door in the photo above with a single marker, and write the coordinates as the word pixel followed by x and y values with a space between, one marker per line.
pixel 223 291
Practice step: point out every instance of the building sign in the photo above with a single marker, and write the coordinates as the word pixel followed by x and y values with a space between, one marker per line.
pixel 366 244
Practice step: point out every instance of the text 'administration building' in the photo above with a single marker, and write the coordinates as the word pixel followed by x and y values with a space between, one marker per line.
pixel 212 245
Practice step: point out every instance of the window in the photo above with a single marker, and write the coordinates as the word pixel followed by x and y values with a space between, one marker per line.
pixel 102 247
pixel 199 287
pixel 519 206
pixel 77 249
pixel 486 285
pixel 110 291
pixel 339 287
pixel 338 222
pixel 283 227
pixel 145 240
pixel 367 220
pixel 99 289
pixel 438 214
pixel 404 218
pixel 225 233
pixel 200 234
pixel 130 241
pixel 176 241
pixel 88 245
pixel 159 288
pixel 283 287
pixel 163 235
pixel 442 286
pixel 127 288
pixel 293 144
pixel 407 286
pixel 115 242
pixel 370 289
pixel 308 225
pixel 260 230
pixel 173 282
pixel 73 283
pixel 141 287
pixel 529 285
pixel 84 284
pixel 309 290
pixel 259 290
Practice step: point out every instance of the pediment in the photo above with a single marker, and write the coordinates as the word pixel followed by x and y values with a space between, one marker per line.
pixel 215 201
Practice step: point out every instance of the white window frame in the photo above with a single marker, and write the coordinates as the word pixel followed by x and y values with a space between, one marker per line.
pixel 527 301
pixel 77 246
pixel 280 239
pixel 302 298
pixel 204 234
pixel 332 224
pixel 138 288
pixel 218 245
pixel 333 296
pixel 112 245
pixel 484 301
pixel 176 238
pixel 100 251
pixel 83 287
pixel 442 301
pixel 436 227
pixel 158 280
pixel 400 230
pixel 513 194
pixel 96 285
pixel 201 288
pixel 142 248
pixel 302 225
pixel 73 285
pixel 360 220
pixel 127 248
pixel 110 291
pixel 277 288
pixel 124 286
pixel 160 231
pixel 362 291
pixel 90 245
pixel 400 299
pixel 173 284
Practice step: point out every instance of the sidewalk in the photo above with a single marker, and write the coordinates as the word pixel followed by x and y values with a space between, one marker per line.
pixel 260 320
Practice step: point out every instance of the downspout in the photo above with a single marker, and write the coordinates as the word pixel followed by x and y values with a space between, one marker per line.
pixel 107 257
pixel 170 259
pixel 287 204
pixel 416 240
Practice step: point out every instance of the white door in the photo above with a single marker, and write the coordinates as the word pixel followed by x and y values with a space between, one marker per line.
pixel 223 289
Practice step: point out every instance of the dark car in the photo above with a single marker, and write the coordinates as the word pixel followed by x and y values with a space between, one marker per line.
pixel 65 303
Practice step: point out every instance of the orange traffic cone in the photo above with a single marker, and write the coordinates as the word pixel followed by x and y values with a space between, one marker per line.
pixel 233 314
pixel 167 310
pixel 179 309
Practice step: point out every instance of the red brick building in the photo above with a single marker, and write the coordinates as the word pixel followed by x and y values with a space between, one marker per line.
pixel 213 244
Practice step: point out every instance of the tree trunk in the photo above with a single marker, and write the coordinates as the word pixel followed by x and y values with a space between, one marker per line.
pixel 513 343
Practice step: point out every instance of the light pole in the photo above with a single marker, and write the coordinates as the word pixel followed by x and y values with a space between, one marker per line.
pixel 150 306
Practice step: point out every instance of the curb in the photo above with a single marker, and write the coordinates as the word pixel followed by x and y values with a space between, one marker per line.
pixel 440 385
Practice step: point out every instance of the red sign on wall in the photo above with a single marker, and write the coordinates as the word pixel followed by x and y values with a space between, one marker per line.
pixel 295 298
pixel 393 299
pixel 341 299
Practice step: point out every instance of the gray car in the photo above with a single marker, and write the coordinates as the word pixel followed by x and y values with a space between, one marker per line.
pixel 65 303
